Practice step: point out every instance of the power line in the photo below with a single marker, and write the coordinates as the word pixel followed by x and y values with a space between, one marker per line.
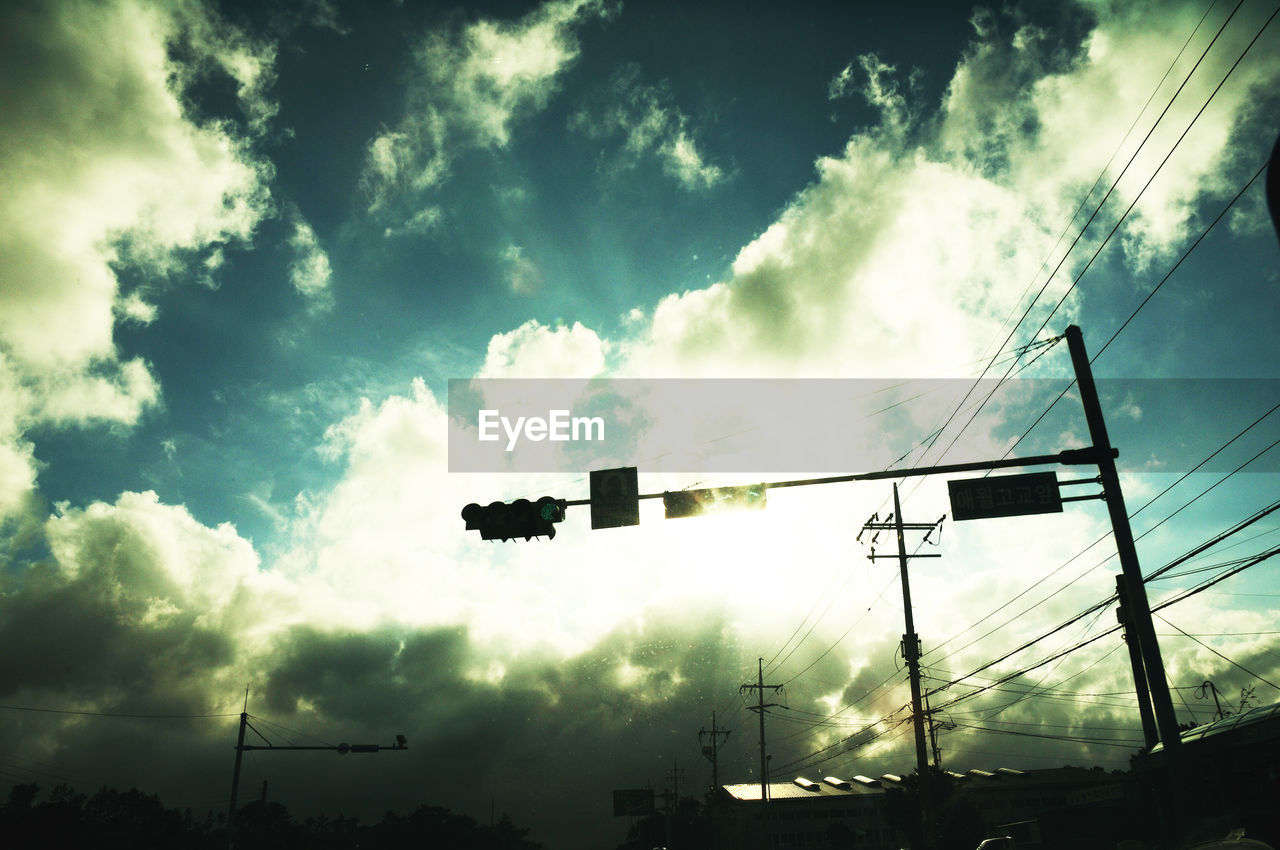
pixel 1176 143
pixel 1223 657
pixel 114 714
pixel 1200 588
pixel 1041 580
pixel 1114 184
pixel 1078 739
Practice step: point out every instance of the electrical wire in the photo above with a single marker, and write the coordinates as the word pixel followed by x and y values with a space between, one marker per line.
pixel 1107 239
pixel 1159 572
pixel 1198 589
pixel 1076 739
pixel 114 714
pixel 1114 184
pixel 1220 655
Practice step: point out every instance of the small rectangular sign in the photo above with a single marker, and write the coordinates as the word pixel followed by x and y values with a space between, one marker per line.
pixel 615 497
pixel 633 802
pixel 1005 495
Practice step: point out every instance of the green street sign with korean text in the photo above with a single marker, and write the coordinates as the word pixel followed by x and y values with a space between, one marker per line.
pixel 1005 495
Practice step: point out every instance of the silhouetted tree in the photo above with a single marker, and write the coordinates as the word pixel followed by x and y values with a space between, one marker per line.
pixel 114 820
pixel 690 827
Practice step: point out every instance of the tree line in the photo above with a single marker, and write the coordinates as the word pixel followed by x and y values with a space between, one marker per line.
pixel 110 819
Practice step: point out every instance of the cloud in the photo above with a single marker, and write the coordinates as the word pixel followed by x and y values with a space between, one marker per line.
pixel 310 272
pixel 469 88
pixel 104 170
pixel 523 275
pixel 649 127
pixel 1022 107
pixel 534 350
pixel 137 602
pixel 912 246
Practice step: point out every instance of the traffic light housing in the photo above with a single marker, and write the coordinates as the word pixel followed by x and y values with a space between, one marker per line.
pixel 521 518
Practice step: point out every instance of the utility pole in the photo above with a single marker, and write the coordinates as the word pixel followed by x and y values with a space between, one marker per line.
pixel 759 708
pixel 1138 611
pixel 712 752
pixel 934 726
pixel 235 776
pixel 1209 686
pixel 241 747
pixel 1149 734
pixel 911 654
pixel 674 773
pixel 667 808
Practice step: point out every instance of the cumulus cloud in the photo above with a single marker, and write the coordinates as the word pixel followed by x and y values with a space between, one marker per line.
pixel 470 88
pixel 535 350
pixel 103 169
pixel 913 245
pixel 1022 107
pixel 650 126
pixel 136 599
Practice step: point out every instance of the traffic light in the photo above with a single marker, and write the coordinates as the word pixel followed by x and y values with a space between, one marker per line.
pixel 521 518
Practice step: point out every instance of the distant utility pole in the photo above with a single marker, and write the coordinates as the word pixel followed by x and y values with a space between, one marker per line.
pixel 911 653
pixel 759 686
pixel 674 773
pixel 712 751
pixel 934 726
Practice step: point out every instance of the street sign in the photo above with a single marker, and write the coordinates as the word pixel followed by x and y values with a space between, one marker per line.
pixel 1005 495
pixel 615 497
pixel 681 503
pixel 633 802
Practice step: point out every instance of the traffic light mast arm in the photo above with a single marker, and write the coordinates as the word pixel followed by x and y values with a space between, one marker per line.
pixel 1069 457
pixel 341 748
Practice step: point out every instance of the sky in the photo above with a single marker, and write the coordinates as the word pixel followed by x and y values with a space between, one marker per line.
pixel 244 248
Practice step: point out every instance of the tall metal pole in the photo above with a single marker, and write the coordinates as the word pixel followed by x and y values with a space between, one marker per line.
pixel 911 653
pixel 1138 614
pixel 1149 733
pixel 235 781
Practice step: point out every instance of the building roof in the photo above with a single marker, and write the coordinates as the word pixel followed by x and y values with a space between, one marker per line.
pixel 805 788
pixel 802 788
pixel 1260 722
